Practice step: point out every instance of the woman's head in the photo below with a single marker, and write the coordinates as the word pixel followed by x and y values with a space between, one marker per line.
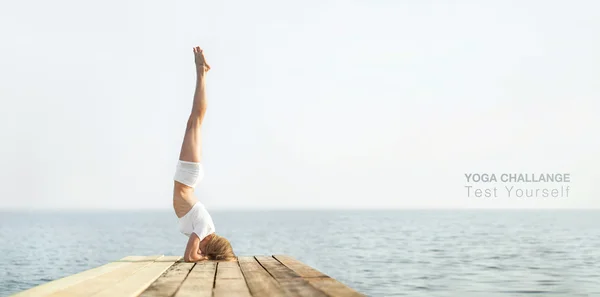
pixel 218 248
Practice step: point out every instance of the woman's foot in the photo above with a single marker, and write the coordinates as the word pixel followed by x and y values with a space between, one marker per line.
pixel 201 65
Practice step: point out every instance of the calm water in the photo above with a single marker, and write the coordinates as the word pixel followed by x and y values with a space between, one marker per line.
pixel 379 253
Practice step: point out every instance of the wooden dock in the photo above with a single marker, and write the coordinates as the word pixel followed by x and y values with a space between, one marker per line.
pixel 168 276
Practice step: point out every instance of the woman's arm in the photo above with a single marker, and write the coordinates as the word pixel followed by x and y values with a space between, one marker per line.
pixel 192 250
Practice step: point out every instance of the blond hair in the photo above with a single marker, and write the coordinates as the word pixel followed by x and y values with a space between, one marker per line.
pixel 219 248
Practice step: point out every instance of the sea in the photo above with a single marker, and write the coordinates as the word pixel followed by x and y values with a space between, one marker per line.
pixel 462 253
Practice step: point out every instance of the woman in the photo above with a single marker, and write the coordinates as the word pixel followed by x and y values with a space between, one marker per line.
pixel 194 219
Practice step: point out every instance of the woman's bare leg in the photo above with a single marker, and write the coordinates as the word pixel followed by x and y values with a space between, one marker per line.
pixel 191 148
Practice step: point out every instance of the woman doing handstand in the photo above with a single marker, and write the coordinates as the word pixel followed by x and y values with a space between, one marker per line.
pixel 194 219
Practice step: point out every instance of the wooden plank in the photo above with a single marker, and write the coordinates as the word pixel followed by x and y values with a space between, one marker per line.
pixel 230 281
pixel 167 284
pixel 275 268
pixel 99 283
pixel 300 268
pixel 232 287
pixel 317 279
pixel 200 281
pixel 289 280
pixel 260 282
pixel 141 258
pixel 229 270
pixel 332 287
pixel 139 281
pixel 65 282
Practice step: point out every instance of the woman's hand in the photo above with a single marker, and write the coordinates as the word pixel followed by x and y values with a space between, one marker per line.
pixel 201 65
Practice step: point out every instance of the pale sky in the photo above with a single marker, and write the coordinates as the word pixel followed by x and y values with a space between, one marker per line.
pixel 312 104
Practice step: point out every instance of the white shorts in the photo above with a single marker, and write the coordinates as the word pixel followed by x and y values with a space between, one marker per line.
pixel 189 173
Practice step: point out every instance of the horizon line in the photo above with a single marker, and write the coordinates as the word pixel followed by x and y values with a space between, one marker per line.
pixel 383 208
